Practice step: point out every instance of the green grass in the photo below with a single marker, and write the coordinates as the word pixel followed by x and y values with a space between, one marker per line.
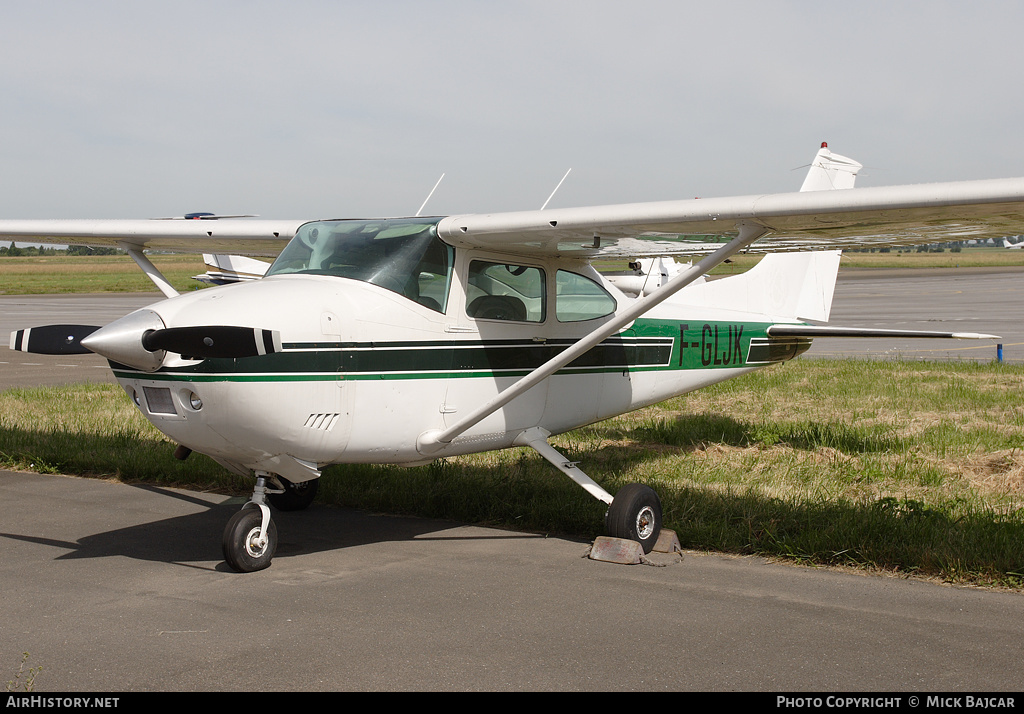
pixel 118 273
pixel 35 275
pixel 904 467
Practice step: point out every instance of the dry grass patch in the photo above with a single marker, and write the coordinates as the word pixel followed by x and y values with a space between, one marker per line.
pixel 1000 472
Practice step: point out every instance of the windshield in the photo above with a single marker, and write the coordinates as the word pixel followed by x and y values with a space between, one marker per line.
pixel 403 255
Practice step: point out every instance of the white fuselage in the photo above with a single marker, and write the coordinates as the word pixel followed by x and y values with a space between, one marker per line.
pixel 365 371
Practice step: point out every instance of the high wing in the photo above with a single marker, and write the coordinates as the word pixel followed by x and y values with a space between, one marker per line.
pixel 815 220
pixel 241 236
pixel 808 220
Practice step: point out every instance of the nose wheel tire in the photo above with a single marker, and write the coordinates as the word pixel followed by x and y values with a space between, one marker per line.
pixel 242 549
pixel 635 514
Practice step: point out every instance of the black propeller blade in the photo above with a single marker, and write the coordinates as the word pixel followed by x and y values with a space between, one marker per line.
pixel 52 339
pixel 213 341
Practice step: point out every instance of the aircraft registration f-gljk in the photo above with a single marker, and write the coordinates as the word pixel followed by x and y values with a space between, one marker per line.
pixel 403 340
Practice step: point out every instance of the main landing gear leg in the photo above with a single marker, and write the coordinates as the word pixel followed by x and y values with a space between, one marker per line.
pixel 250 538
pixel 635 511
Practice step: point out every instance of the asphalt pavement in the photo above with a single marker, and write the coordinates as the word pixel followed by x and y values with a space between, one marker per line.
pixel 984 300
pixel 112 587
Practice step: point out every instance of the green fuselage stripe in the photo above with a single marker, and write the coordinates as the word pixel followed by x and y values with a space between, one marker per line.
pixel 648 345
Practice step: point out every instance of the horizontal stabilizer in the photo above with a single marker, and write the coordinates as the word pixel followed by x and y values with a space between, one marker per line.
pixel 825 331
pixel 202 216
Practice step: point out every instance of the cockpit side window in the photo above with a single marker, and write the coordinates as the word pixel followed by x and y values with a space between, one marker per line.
pixel 403 255
pixel 499 291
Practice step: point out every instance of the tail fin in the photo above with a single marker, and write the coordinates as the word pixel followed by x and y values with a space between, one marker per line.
pixel 830 171
pixel 782 286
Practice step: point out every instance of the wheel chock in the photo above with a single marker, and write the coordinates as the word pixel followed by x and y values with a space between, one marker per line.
pixel 668 542
pixel 616 550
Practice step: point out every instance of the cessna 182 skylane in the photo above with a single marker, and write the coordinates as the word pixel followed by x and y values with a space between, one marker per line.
pixel 406 340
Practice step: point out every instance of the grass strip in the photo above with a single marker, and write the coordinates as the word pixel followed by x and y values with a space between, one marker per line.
pixel 911 468
pixel 48 274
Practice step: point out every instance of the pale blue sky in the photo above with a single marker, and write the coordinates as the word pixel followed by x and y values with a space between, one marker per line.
pixel 338 109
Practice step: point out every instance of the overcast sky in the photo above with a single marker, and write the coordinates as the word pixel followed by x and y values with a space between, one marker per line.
pixel 352 109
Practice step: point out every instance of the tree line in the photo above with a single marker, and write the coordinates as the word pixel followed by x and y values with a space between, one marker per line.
pixel 13 251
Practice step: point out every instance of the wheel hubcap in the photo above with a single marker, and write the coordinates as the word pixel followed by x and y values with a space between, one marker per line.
pixel 645 523
pixel 252 543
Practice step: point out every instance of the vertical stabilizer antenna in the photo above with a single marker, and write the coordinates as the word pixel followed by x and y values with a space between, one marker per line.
pixel 429 195
pixel 555 191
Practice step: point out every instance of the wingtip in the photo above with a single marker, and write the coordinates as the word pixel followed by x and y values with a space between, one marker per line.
pixel 975 336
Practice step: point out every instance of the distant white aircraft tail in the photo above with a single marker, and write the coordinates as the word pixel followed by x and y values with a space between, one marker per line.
pixel 224 269
pixel 830 171
pixel 1012 246
pixel 648 275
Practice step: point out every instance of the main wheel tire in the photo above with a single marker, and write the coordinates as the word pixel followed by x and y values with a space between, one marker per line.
pixel 635 514
pixel 296 496
pixel 240 541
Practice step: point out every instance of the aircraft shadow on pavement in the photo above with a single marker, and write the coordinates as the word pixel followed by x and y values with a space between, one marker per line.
pixel 196 537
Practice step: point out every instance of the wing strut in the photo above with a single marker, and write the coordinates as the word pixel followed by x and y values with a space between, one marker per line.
pixel 537 439
pixel 430 442
pixel 154 274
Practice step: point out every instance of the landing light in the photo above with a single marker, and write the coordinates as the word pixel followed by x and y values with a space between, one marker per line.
pixel 194 401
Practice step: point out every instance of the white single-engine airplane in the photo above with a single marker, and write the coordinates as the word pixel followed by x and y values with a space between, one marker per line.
pixel 404 340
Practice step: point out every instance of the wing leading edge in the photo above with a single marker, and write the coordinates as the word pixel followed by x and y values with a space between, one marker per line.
pixel 803 220
pixel 245 237
pixel 818 220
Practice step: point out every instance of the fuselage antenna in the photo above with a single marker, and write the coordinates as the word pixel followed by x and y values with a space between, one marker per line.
pixel 429 195
pixel 555 191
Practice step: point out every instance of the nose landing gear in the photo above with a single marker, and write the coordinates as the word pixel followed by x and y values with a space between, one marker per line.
pixel 249 544
pixel 250 537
